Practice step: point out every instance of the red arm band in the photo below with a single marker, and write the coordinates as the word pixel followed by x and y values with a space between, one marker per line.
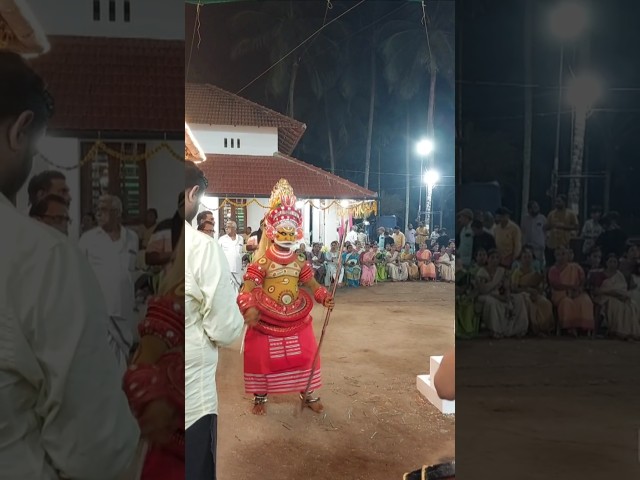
pixel 306 273
pixel 165 320
pixel 321 294
pixel 246 301
pixel 255 273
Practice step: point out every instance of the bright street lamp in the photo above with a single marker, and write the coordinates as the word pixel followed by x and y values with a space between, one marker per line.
pixel 583 91
pixel 424 147
pixel 431 177
pixel 568 20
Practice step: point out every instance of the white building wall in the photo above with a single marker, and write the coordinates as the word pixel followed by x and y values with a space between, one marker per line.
pixel 331 224
pixel 148 19
pixel 64 152
pixel 253 140
pixel 255 213
pixel 165 179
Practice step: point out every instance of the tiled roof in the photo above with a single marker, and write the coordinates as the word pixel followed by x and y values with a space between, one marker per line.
pixel 20 31
pixel 115 84
pixel 210 105
pixel 254 176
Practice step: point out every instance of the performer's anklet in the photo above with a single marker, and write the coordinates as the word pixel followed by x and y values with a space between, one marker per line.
pixel 259 399
pixel 309 398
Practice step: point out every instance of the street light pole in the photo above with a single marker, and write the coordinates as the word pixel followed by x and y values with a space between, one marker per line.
pixel 420 189
pixel 556 154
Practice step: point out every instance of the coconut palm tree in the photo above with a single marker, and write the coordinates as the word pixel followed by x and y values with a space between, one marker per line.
pixel 412 54
pixel 277 28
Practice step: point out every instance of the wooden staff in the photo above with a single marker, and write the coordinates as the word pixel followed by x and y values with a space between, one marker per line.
pixel 324 325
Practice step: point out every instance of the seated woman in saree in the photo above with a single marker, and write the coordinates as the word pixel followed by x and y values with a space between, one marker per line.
pixel 425 263
pixel 621 313
pixel 409 259
pixel 446 266
pixel 529 280
pixel 368 260
pixel 331 275
pixel 381 265
pixel 504 313
pixel 352 269
pixel 397 271
pixel 575 308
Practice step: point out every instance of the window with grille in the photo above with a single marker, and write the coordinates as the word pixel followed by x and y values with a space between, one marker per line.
pixel 234 213
pixel 127 11
pixel 112 10
pixel 96 10
pixel 124 178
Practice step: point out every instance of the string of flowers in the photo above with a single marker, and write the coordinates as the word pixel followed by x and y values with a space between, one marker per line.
pixel 100 146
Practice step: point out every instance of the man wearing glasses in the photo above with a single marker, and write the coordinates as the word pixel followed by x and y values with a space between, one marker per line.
pixel 112 250
pixel 52 210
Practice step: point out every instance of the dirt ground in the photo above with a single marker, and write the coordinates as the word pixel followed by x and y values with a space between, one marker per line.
pixel 376 425
pixel 556 408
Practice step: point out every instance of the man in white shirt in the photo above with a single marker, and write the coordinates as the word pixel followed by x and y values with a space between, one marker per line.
pixel 352 236
pixel 112 251
pixel 212 319
pixel 533 233
pixel 62 409
pixel 231 244
pixel 410 236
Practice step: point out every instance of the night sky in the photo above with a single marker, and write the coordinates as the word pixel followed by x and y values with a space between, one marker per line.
pixel 212 62
pixel 492 53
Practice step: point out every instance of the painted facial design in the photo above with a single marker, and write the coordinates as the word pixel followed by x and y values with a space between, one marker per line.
pixel 285 236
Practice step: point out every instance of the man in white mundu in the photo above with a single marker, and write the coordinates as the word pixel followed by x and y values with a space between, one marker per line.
pixel 231 244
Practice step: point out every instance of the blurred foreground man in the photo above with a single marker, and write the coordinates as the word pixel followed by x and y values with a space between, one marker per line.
pixel 212 319
pixel 62 410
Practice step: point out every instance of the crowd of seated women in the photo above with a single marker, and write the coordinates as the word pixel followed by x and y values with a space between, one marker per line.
pixel 599 298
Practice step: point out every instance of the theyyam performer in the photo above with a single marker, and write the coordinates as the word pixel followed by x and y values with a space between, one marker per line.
pixel 280 345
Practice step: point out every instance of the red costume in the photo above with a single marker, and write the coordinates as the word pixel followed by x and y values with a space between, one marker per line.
pixel 163 379
pixel 280 349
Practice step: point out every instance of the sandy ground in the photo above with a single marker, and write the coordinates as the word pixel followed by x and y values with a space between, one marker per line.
pixel 554 408
pixel 376 426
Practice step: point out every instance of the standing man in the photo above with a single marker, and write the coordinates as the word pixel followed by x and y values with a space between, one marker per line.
pixel 422 233
pixel 112 250
pixel 63 410
pixel 381 238
pixel 591 230
pixel 231 244
pixel 352 236
pixel 49 182
pixel 533 234
pixel 205 216
pixel 410 235
pixel 508 238
pixel 464 248
pixel 398 237
pixel 52 210
pixel 212 320
pixel 561 227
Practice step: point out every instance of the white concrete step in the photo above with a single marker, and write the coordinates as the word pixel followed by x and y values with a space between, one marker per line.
pixel 434 365
pixel 426 388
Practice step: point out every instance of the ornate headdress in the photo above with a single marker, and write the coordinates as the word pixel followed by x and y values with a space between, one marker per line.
pixel 283 210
